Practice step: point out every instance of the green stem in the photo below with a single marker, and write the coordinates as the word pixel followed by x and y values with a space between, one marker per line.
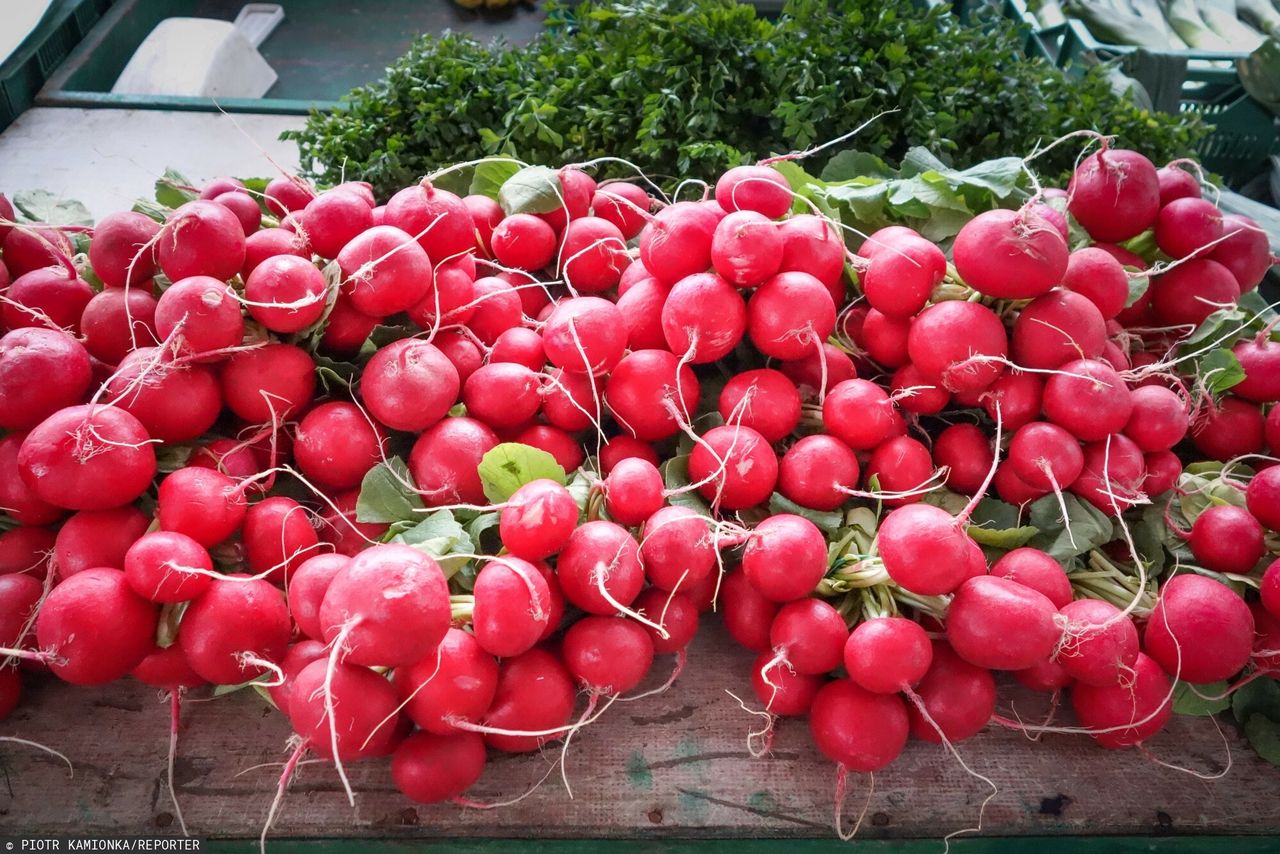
pixel 461 607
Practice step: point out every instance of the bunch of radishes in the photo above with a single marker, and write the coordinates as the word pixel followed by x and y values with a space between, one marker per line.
pixel 719 375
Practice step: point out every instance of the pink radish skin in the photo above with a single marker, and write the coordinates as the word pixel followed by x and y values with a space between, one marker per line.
pixel 785 558
pixel 285 294
pixel 781 690
pixel 201 238
pixel 307 586
pixel 959 698
pixel 1270 589
pixel 118 320
pixel 27 249
pixel 815 471
pixel 1245 251
pixel 117 246
pixel 924 550
pixel 857 729
pixel 1176 183
pixel 428 769
pixel 1115 195
pixel 887 654
pixel 1158 420
pixel 1227 539
pixel 945 338
pixel 748 614
pixel 677 613
pixel 754 188
pixel 335 445
pixel 1263 496
pixel 600 554
pixel 486 213
pixel 585 335
pixel 1140 704
pixel 809 635
pixel 1190 292
pixel 1010 254
pixel 1034 569
pixel 1099 277
pixel 538 519
pixel 1013 489
pixel 571 401
pixel 1185 227
pixel 1260 359
pixel 641 308
pixel 333 219
pixel 20 595
pixel 451 297
pixel 520 346
pixel 593 254
pixel 26 551
pixel 736 467
pixel 409 385
pixel 1045 456
pixel 1100 646
pixel 384 271
pixel 269 384
pixel 900 464
pixel 1200 630
pixel 773 408
pixel 512 607
pixel 269 243
pixel 147 383
pixel 1020 397
pixel 624 205
pixel 41 372
pixel 460 689
pixel 607 655
pixel 916 393
pixel 1046 676
pixel 294 662
pixel 788 316
pixel 502 395
pixel 577 189
pixel 746 248
pixel 1113 475
pixel 98 627
pixel 413 210
pixel 167 668
pixel 899 281
pixel 338 527
pixel 641 389
pixel 87 458
pixel 205 313
pixel 156 567
pixel 566 450
pixel 998 624
pixel 704 316
pixel 633 491
pixel 497 308
pixel 860 414
pixel 677 549
pixel 677 242
pixel 444 459
pixel 534 692
pixel 1163 470
pixel 286 194
pixel 965 451
pixel 202 503
pixel 1231 429
pixel 245 209
pixel 808 373
pixel 886 339
pixel 49 292
pixel 364 710
pixel 1088 399
pixel 277 536
pixel 1058 327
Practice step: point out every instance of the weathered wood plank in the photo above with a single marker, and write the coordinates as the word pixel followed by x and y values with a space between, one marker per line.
pixel 674 765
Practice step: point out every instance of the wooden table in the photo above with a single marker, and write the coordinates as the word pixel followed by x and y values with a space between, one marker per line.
pixel 674 765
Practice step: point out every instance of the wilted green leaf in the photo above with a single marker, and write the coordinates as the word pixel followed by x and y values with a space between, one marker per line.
pixel 43 206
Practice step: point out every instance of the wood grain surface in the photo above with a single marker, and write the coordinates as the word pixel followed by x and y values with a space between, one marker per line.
pixel 669 765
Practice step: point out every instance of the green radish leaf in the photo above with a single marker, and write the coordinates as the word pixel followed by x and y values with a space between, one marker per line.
pixel 533 190
pixel 828 522
pixel 44 207
pixel 173 189
pixel 149 208
pixel 1137 286
pixel 1191 699
pixel 385 497
pixel 441 536
pixel 478 527
pixel 1221 370
pixel 1003 538
pixel 170 458
pixel 1259 697
pixel 1149 531
pixel 1264 737
pixel 1088 526
pixel 491 175
pixel 509 466
pixel 849 164
pixel 579 486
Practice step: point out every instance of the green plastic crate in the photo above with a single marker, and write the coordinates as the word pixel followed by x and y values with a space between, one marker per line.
pixel 26 70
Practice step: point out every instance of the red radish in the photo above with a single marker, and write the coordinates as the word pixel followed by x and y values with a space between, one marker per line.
pixel 535 692
pixel 454 683
pixel 6 214
pixel 1089 399
pixel 1053 216
pixel 1263 497
pixel 1176 183
pixel 809 372
pixel 538 519
pixel 1158 420
pixel 451 298
pixel 857 729
pixel 1034 569
pixel 1009 254
pixel 524 241
pixel 735 467
pixel 960 342
pixel 436 218
pixel 201 238
pixel 964 450
pixel 633 491
pixel 746 248
pixel 782 690
pixel 1200 630
pixel 764 400
pixel 512 607
pixel 384 271
pixel 998 624
pixel 624 205
pixel 26 551
pixel 1046 676
pixel 41 372
pixel 1100 644
pixel 123 250
pixel 556 609
pixel 599 569
pixel 1245 251
pixel 26 249
pixel 1226 538
pixel 268 384
pixel 363 707
pixel 502 394
pixel 916 393
pixel 1163 470
pixel 901 465
pixel 1185 227
pixel 887 655
pixel 860 414
pixel 1019 395
pixel 677 549
pixel 958 698
pixel 577 189
pixel 924 549
pixel 1231 429
pixel 566 450
pixel 885 339
pixel 593 254
pixel 486 213
pixel 205 314
pixel 641 308
pixel 785 557
pixel 409 385
pixel 520 346
pixel 748 614
pixel 1128 712
pixel 118 320
pixel 307 586
pixel 20 595
pixel 811 244
pixel 677 613
pixel 1058 327
pixel 754 188
pixel 461 351
pixel 1114 194
pixel 1190 292
pixel 1113 476
pixel 333 218
pixel 44 297
pixel 1272 428
pixel 428 769
pixel 621 448
pixel 148 382
pixel 898 282
pixel 497 309
pixel 87 458
pixel 677 242
pixel 1013 489
pixel 704 318
pixel 585 335
pixel 338 526
pixel 808 636
pixel 335 445
pixel 635 273
pixel 1098 276
pixel 1270 589
pixel 159 567
pixel 1260 359
pixel 571 401
pixel 268 243
pixel 278 537
pixel 1045 456
pixel 789 315
pixel 245 209
pixel 816 471
pixel 286 194
pixel 607 655
pixel 285 294
pixel 651 394
pixel 167 668
pixel 202 503
pixel 97 626
pixel 444 459
pixel 294 662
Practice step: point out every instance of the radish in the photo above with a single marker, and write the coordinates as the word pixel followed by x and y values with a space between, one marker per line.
pixel 734 467
pixel 1113 476
pixel 577 190
pixel 624 205
pixel 97 626
pixel 857 729
pixel 955 698
pixel 27 551
pixel 1270 589
pixel 599 569
pixel 335 445
pixel 635 273
pixel 1013 489
pixel 244 207
pixel 1200 630
pixel 754 188
pixel 998 624
pixel 677 549
pixel 1114 194
pixel 607 655
pixel 964 450
pixel 817 472
pixel 1263 496
pixel 294 662
pixel 486 213
pixel 811 244
pixel 362 704
pixel 444 459
pixel 887 655
pixel 899 282
pixel 389 606
pixel 118 320
pixel 122 251
pixel 285 194
pixel 49 296
pixel 1045 456
pixel 436 218
pixel 1245 251
pixel 20 595
pixel 428 769
pixel 410 385
pixel 593 254
pixel 746 248
pixel 676 613
pixel 1260 359
pixel 766 401
pixel 860 414
pixel 167 668
pixel 962 343
pixel 384 271
pixel 1128 712
pixel 704 318
pixel 285 294
pixel 1190 292
pixel 901 465
pixel 1034 569
pixel 158 567
pixel 570 401
pixel 1185 227
pixel 1272 428
pixel 1009 254
pixel 1099 277
pixel 307 586
pixel 651 394
pixel 1232 428
pixel 41 372
pixel 451 297
pixel 789 315
pixel 535 693
pixel 1100 643
pixel 1163 470
pixel 828 363
pixel 1088 399
pixel 633 491
pixel 585 335
pixel 269 243
pixel 87 458
pixel 461 351
pixel 1020 396
pixel 641 308
pixel 621 448
pixel 785 557
pixel 916 393
pixel 924 549
pixel 1058 327
pixel 268 384
pixel 1158 420
pixel 748 614
pixel 524 241
pixel 277 537
pixel 333 218
pixel 511 608
pixel 497 309
pixel 202 503
pixel 782 690
pixel 205 314
pixel 808 636
pixel 502 395
pixel 677 242
pixel 455 683
pixel 201 238
pixel 1176 183
pixel 538 519
pixel 1046 676
pixel 26 249
pixel 1226 538
pixel 147 383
